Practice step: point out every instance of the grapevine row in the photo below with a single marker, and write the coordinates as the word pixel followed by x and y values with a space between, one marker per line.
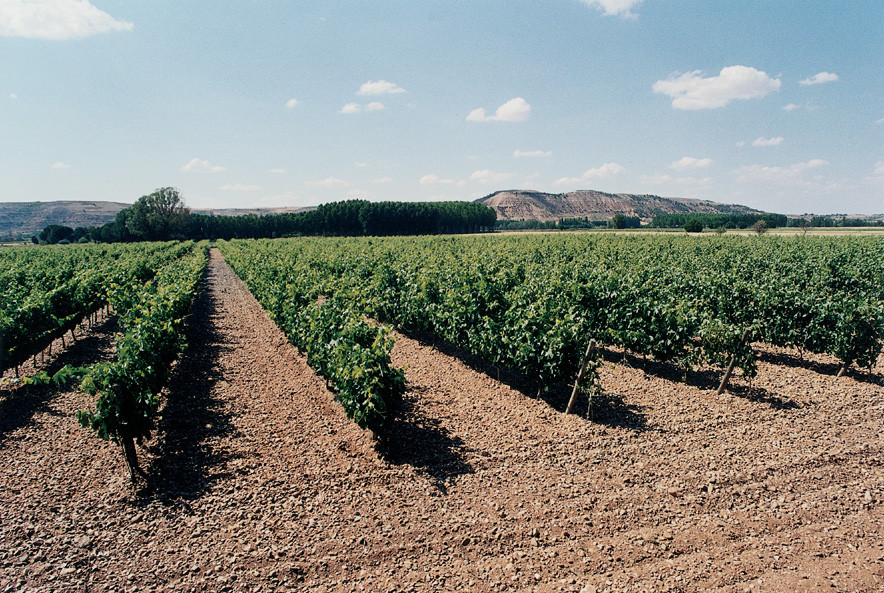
pixel 47 293
pixel 351 354
pixel 151 317
pixel 533 303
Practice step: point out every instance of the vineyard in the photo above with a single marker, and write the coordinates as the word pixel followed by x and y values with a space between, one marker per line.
pixel 533 304
pixel 328 414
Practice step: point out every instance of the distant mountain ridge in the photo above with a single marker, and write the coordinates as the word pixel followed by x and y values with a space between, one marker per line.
pixel 596 205
pixel 28 218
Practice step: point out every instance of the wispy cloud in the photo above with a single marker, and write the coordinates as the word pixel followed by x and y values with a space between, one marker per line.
pixel 201 166
pixel 819 78
pixel 606 171
pixel 531 153
pixel 614 7
pixel 278 171
pixel 692 91
pixel 328 182
pixel 380 87
pixel 13 96
pixel 791 107
pixel 60 165
pixel 292 103
pixel 762 141
pixel 689 162
pixel 55 19
pixel 792 173
pixel 240 187
pixel 669 179
pixel 384 180
pixel 433 179
pixel 486 176
pixel 351 108
pixel 516 109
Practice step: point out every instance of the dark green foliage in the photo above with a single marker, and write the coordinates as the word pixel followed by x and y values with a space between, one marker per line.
pixel 693 225
pixel 350 353
pixel 151 316
pixel 160 216
pixel 730 221
pixel 621 221
pixel 532 303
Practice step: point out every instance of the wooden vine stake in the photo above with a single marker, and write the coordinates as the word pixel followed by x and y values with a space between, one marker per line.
pixel 843 370
pixel 730 367
pixel 590 348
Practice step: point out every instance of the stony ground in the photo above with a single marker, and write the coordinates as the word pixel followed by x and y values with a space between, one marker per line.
pixel 259 483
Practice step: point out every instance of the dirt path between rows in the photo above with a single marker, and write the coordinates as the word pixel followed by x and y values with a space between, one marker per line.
pixel 259 483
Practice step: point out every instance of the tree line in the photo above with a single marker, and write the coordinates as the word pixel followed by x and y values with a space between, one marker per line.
pixel 162 216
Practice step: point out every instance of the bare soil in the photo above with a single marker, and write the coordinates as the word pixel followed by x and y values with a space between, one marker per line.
pixel 259 483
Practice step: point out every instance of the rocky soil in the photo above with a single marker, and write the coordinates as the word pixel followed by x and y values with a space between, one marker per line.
pixel 257 481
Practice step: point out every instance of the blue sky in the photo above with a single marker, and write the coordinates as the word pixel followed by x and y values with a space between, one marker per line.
pixel 778 105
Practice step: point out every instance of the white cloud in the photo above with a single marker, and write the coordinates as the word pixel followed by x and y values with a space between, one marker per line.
pixel 433 179
pixel 351 108
pixel 380 87
pixel 240 187
pixel 485 176
pixel 689 162
pixel 792 173
pixel 329 182
pixel 614 7
pixel 60 165
pixel 292 103
pixel 762 141
pixel 55 19
pixel 692 91
pixel 686 181
pixel 201 166
pixel 606 171
pixel 528 153
pixel 277 170
pixel 880 121
pixel 360 165
pixel 359 194
pixel 384 180
pixel 879 168
pixel 13 96
pixel 791 107
pixel 513 110
pixel 819 78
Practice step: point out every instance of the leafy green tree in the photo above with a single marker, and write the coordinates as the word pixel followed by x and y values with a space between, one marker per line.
pixel 159 216
pixel 760 227
pixel 693 225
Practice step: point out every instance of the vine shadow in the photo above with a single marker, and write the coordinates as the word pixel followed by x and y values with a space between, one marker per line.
pixel 419 441
pixel 610 409
pixel 705 379
pixel 185 464
pixel 19 405
pixel 829 369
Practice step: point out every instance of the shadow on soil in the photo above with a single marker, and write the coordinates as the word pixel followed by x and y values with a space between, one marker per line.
pixel 608 409
pixel 419 441
pixel 829 369
pixel 19 406
pixel 706 379
pixel 185 463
